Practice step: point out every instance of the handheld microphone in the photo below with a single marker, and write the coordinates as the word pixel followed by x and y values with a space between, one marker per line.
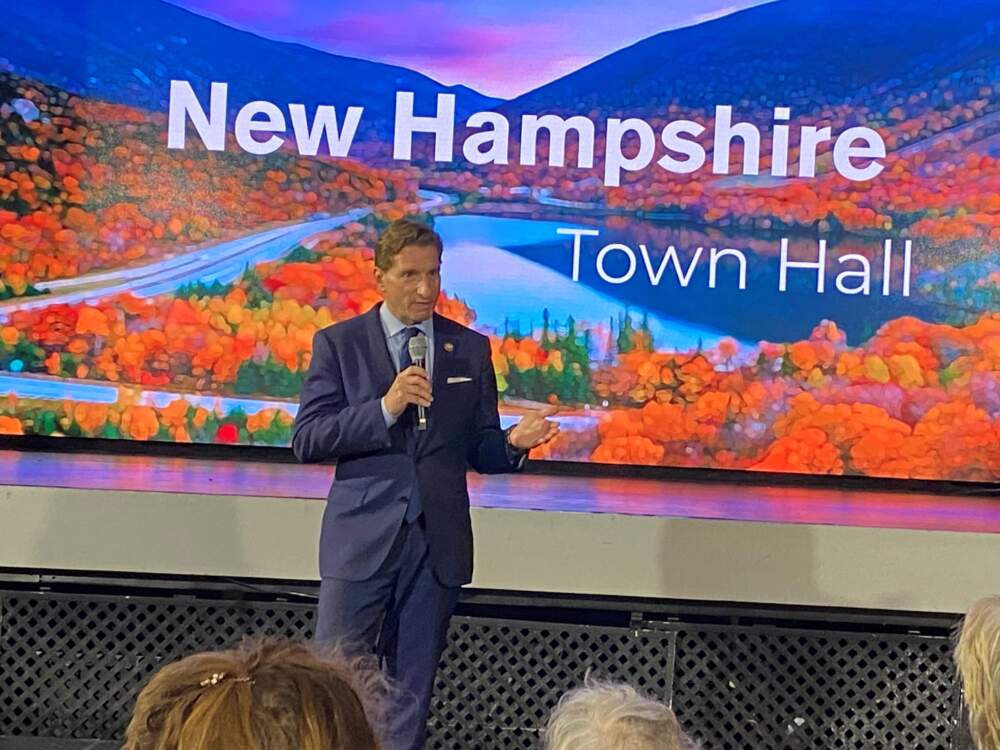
pixel 418 354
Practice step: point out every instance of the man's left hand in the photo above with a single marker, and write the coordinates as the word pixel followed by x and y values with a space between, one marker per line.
pixel 534 429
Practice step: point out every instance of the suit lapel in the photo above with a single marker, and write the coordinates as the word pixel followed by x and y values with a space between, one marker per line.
pixel 446 351
pixel 382 368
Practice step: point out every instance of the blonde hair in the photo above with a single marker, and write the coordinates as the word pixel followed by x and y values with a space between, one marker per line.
pixel 264 695
pixel 612 716
pixel 977 657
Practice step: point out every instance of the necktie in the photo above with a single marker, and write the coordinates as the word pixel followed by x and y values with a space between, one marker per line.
pixel 404 353
pixel 414 507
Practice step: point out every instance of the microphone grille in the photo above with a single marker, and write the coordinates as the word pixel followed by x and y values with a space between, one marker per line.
pixel 417 347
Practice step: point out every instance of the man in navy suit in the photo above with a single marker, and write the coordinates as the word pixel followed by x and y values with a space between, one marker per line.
pixel 396 542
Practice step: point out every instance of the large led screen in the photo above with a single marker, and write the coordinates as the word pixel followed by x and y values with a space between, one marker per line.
pixel 717 235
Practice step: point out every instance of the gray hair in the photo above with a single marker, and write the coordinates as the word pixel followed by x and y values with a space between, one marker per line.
pixel 612 716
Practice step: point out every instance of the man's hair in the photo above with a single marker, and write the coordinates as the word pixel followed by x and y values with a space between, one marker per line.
pixel 612 716
pixel 264 695
pixel 977 657
pixel 400 234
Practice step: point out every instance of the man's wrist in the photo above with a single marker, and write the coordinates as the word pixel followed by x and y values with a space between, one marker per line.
pixel 388 416
pixel 510 446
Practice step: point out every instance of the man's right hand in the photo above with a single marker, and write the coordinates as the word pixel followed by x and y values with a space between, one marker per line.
pixel 411 386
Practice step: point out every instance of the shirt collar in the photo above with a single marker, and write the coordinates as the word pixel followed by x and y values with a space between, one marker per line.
pixel 393 325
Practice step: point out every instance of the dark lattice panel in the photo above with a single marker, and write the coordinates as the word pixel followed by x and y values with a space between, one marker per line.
pixel 72 667
pixel 751 688
pixel 500 678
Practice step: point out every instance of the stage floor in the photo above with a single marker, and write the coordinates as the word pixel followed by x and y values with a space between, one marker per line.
pixel 634 497
pixel 627 538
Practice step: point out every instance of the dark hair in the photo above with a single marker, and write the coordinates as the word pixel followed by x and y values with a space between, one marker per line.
pixel 400 234
pixel 265 695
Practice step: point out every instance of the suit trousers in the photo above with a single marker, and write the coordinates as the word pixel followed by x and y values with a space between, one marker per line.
pixel 405 610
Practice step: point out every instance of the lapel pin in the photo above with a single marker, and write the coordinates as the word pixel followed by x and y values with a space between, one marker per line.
pixel 448 346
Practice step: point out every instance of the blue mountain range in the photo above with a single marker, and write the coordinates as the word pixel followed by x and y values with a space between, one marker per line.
pixel 805 54
pixel 129 52
pixel 798 53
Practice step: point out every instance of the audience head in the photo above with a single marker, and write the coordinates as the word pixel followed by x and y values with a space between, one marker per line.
pixel 265 695
pixel 978 659
pixel 612 716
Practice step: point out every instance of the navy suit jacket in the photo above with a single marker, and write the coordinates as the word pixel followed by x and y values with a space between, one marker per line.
pixel 340 417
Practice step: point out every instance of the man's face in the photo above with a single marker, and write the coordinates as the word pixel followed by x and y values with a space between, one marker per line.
pixel 410 286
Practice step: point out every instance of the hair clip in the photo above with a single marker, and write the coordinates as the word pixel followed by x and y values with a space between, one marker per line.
pixel 218 677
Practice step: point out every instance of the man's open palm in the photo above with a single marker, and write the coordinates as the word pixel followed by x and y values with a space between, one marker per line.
pixel 534 429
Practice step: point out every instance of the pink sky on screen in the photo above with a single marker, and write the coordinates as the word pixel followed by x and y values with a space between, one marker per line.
pixel 501 49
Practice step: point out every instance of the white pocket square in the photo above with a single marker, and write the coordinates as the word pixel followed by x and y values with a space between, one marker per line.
pixel 459 379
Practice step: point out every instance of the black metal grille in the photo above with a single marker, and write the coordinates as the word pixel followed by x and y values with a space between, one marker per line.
pixel 499 679
pixel 755 688
pixel 70 666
